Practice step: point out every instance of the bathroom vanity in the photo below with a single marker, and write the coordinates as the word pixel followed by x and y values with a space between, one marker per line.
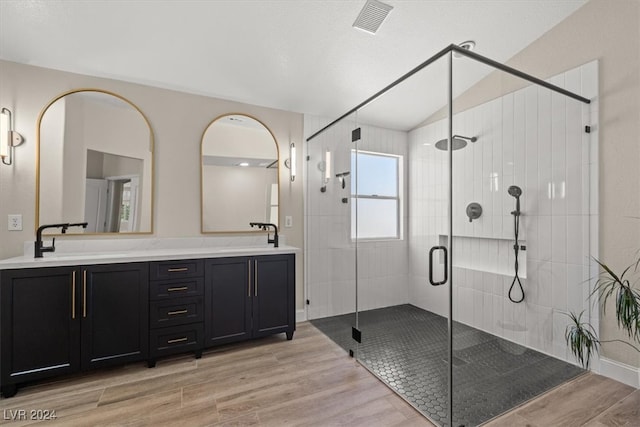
pixel 68 313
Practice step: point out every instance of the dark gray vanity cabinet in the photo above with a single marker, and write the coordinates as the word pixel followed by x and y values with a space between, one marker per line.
pixel 60 320
pixel 176 314
pixel 228 291
pixel 64 319
pixel 249 297
pixel 40 335
pixel 273 307
pixel 115 313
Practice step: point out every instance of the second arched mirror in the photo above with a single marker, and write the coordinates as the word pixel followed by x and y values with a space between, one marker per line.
pixel 239 173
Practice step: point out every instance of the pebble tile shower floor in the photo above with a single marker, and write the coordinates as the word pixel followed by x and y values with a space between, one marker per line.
pixel 406 347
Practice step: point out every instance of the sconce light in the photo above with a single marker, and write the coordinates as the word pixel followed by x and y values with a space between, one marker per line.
pixel 327 166
pixel 291 162
pixel 8 137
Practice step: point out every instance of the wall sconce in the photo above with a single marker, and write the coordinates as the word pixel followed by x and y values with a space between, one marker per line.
pixel 291 162
pixel 324 166
pixel 327 166
pixel 8 137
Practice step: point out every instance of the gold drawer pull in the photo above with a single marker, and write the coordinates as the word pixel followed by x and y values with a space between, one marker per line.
pixel 173 313
pixel 73 295
pixel 84 293
pixel 181 288
pixel 173 341
pixel 175 270
pixel 255 276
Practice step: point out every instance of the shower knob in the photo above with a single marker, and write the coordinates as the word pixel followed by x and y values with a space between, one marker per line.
pixel 474 210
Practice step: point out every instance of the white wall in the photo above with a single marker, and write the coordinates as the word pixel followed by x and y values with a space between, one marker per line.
pixel 534 139
pixel 331 255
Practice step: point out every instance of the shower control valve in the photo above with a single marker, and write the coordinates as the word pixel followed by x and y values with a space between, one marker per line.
pixel 474 211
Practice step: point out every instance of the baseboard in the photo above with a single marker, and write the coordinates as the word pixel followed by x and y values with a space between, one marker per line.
pixel 620 372
pixel 301 315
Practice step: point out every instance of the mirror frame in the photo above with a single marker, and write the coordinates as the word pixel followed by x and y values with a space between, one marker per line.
pixel 275 141
pixel 38 142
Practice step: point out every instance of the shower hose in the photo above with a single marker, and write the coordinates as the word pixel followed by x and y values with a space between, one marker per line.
pixel 516 250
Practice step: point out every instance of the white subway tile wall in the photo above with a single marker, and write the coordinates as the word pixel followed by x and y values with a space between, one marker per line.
pixel 531 138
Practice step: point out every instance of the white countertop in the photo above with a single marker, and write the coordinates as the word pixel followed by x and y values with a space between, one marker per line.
pixel 58 259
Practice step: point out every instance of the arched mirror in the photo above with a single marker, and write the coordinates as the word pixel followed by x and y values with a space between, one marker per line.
pixel 94 164
pixel 239 172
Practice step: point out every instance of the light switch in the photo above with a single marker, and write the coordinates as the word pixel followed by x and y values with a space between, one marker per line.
pixel 288 221
pixel 14 222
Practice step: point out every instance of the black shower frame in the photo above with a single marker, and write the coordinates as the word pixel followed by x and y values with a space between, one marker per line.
pixel 464 52
pixel 451 49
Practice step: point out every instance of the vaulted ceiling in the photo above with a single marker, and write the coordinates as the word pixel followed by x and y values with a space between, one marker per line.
pixel 295 55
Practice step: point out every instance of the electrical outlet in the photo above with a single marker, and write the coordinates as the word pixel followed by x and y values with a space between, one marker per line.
pixel 14 222
pixel 288 221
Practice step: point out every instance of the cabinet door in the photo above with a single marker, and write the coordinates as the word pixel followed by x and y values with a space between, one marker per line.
pixel 40 325
pixel 274 295
pixel 115 314
pixel 227 304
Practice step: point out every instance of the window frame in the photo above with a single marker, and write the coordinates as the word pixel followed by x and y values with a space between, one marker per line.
pixel 398 198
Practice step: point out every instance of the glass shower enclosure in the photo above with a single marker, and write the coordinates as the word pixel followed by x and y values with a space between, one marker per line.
pixel 450 220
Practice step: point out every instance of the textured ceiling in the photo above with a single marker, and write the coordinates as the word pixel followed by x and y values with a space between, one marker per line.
pixel 295 55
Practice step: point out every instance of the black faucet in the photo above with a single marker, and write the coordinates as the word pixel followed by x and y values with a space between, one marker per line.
pixel 39 249
pixel 265 226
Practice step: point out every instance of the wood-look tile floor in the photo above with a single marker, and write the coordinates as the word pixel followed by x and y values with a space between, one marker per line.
pixel 308 381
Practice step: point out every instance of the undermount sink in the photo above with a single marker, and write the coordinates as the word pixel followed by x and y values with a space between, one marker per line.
pixel 102 255
pixel 248 248
pixel 87 255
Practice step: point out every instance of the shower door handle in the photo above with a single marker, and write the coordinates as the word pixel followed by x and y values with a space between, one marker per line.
pixel 446 265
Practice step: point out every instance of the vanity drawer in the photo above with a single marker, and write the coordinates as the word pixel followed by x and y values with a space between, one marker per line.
pixel 159 270
pixel 175 312
pixel 176 339
pixel 165 289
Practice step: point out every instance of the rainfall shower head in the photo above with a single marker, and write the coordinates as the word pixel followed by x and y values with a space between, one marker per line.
pixel 515 191
pixel 459 142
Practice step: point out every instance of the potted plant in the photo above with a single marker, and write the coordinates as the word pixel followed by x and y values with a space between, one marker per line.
pixel 581 337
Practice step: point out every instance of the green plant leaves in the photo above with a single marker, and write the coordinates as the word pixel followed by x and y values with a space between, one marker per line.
pixel 627 299
pixel 581 339
pixel 628 311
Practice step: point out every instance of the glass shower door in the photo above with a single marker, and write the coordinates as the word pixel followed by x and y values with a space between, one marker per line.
pixel 399 213
pixel 330 252
pixel 513 277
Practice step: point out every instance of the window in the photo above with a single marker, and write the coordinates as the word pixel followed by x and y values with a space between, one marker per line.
pixel 375 195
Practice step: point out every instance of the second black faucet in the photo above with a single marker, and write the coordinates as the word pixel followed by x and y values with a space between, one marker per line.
pixel 265 226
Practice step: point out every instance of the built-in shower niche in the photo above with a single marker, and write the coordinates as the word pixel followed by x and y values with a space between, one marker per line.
pixel 487 255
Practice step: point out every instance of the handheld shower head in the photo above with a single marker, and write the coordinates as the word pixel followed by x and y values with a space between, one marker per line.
pixel 515 191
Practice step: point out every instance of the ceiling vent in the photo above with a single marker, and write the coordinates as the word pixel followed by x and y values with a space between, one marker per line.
pixel 372 15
